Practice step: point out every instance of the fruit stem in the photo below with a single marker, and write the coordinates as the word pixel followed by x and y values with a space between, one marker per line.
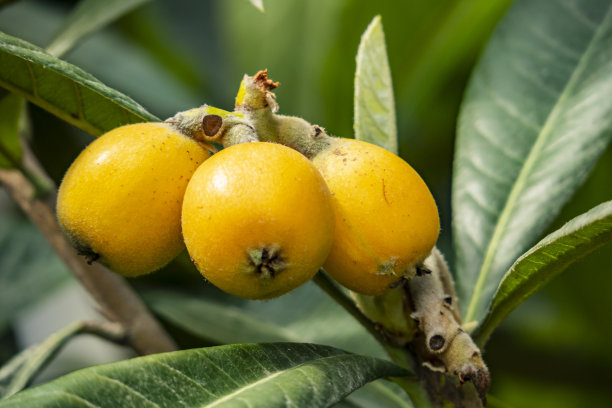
pixel 257 103
pixel 239 133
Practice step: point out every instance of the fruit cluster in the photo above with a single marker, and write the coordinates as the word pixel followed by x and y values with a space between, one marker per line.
pixel 258 218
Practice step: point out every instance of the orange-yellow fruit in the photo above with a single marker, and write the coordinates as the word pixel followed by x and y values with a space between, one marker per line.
pixel 120 201
pixel 257 220
pixel 386 218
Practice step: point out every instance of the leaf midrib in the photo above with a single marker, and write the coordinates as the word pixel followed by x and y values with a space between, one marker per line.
pixel 526 171
pixel 268 378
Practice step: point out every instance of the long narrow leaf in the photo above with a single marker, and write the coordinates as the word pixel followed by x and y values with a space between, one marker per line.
pixel 374 103
pixel 64 89
pixel 253 375
pixel 87 17
pixel 545 260
pixel 536 116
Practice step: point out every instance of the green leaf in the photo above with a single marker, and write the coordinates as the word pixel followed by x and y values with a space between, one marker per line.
pixel 10 148
pixel 219 322
pixel 380 393
pixel 545 260
pixel 254 375
pixel 227 319
pixel 64 89
pixel 318 320
pixel 458 33
pixel 88 16
pixel 29 268
pixel 374 104
pixel 258 4
pixel 536 116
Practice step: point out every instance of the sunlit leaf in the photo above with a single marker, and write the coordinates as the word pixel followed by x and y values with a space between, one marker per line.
pixel 535 118
pixel 545 260
pixel 64 89
pixel 374 104
pixel 254 375
pixel 88 16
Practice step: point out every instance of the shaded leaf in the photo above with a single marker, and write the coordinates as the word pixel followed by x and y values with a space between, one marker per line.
pixel 535 118
pixel 64 89
pixel 545 260
pixel 227 319
pixel 29 268
pixel 217 321
pixel 88 16
pixel 255 375
pixel 11 107
pixel 374 104
pixel 380 393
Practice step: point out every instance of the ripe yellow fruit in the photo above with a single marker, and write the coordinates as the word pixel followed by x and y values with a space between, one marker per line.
pixel 386 218
pixel 120 201
pixel 257 220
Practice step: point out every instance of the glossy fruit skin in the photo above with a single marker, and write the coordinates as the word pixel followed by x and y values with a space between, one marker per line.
pixel 121 198
pixel 253 196
pixel 386 218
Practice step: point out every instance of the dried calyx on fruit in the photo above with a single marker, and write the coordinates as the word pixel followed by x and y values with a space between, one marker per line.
pixel 386 219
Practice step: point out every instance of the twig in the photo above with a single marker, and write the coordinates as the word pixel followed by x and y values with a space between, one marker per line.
pixel 27 364
pixel 325 283
pixel 116 299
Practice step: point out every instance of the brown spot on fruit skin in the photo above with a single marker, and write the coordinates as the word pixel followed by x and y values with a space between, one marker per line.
pixel 384 191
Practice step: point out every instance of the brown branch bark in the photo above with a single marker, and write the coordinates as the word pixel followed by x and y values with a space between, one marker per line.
pixel 116 299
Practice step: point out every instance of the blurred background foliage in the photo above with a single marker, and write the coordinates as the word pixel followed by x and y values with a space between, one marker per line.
pixel 170 56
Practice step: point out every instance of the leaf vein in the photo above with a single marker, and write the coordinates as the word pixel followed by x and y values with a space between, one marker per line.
pixel 127 387
pixel 179 372
pixel 529 164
